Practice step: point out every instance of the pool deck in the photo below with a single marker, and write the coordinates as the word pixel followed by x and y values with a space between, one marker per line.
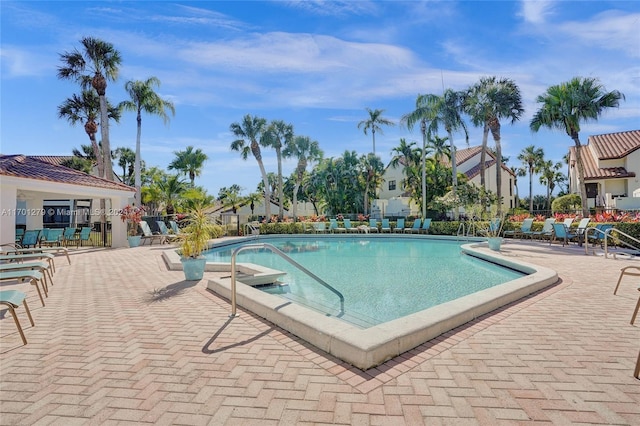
pixel 123 340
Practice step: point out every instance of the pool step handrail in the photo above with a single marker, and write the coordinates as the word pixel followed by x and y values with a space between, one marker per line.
pixel 280 253
pixel 607 235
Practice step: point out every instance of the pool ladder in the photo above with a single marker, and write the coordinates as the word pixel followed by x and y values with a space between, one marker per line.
pixel 280 253
pixel 606 235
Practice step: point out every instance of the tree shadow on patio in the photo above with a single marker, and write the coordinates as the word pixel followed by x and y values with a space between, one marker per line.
pixel 172 290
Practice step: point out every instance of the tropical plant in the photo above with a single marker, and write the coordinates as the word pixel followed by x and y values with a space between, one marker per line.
pixel 249 132
pixel 487 102
pixel 132 216
pixel 371 169
pixel 126 158
pixel 230 197
pixel 93 67
pixel 565 106
pixel 189 162
pixel 196 234
pixel 532 158
pixel 304 150
pixel 550 175
pixel 144 98
pixel 170 189
pixel 374 123
pixel 277 136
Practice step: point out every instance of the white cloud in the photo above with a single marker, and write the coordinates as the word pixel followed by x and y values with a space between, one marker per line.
pixel 536 11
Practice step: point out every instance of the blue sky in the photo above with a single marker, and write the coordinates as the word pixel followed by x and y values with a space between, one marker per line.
pixel 314 64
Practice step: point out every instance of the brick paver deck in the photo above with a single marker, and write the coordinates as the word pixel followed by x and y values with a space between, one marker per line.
pixel 124 341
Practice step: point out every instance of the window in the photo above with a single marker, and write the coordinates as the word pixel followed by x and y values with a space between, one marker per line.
pixel 392 185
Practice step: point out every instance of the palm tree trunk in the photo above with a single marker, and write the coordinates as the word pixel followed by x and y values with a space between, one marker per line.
pixel 424 167
pixel 267 193
pixel 296 188
pixel 583 185
pixel 454 172
pixel 280 190
pixel 483 155
pixel 531 189
pixel 495 132
pixel 136 165
pixel 104 133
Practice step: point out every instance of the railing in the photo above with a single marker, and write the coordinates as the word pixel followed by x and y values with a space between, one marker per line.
pixel 461 227
pixel 606 235
pixel 252 228
pixel 285 257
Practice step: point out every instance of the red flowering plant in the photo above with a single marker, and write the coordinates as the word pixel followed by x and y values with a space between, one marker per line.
pixel 133 216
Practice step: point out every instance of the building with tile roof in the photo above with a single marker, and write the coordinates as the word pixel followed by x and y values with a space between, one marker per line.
pixel 393 201
pixel 611 170
pixel 32 180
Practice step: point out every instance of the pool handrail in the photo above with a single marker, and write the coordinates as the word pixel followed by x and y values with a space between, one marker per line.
pixel 280 253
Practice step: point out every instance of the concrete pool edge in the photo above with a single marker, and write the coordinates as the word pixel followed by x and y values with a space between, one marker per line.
pixel 367 348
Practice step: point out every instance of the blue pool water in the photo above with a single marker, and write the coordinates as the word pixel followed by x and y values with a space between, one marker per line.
pixel 381 278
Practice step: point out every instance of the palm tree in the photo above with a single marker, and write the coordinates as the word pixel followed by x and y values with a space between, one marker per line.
pixel 144 98
pixel 550 175
pixel 84 109
pixel 249 132
pixel 126 158
pixel 304 150
pixel 532 157
pixel 487 102
pixel 566 105
pixel 93 67
pixel 371 169
pixel 374 123
pixel 189 162
pixel 278 135
pixel 170 189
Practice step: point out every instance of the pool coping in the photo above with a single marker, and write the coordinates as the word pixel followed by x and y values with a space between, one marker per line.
pixel 367 348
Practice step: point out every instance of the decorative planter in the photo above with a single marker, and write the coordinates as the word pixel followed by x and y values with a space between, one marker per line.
pixel 193 268
pixel 494 243
pixel 134 241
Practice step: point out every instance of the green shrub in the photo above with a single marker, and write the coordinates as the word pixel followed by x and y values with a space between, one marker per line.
pixel 566 203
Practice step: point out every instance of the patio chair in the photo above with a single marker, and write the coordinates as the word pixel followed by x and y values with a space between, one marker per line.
pixel 12 299
pixel 319 227
pixel 334 227
pixel 169 237
pixel 385 227
pixel 598 235
pixel 70 236
pixel 31 238
pixel 348 227
pixel 633 271
pixel 523 231
pixel 14 249
pixel 399 225
pixel 560 232
pixel 34 277
pixel 635 312
pixel 147 235
pixel 373 225
pixel 547 229
pixel 85 235
pixel 19 235
pixel 174 227
pixel 53 237
pixel 415 228
pixel 426 224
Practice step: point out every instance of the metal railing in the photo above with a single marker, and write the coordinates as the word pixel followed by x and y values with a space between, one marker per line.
pixel 280 253
pixel 606 236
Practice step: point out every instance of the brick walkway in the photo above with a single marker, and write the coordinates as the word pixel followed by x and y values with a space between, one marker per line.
pixel 124 341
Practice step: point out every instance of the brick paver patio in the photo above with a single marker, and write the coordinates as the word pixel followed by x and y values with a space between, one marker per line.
pixel 124 341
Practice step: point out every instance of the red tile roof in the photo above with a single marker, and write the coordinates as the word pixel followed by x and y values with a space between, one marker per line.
pixel 33 168
pixel 52 159
pixel 609 146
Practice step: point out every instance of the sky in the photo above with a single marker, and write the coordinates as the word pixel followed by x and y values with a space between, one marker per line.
pixel 314 64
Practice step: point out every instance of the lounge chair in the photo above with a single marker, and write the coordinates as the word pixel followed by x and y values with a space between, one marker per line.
pixel 399 225
pixel 373 225
pixel 70 237
pixel 164 231
pixel 31 238
pixel 53 237
pixel 560 232
pixel 147 235
pixel 348 227
pixel 599 233
pixel 13 249
pixel 34 278
pixel 415 228
pixel 426 224
pixel 568 221
pixel 319 227
pixel 546 231
pixel 174 227
pixel 582 227
pixel 523 231
pixel 12 299
pixel 85 235
pixel 385 227
pixel 34 265
pixel 19 235
pixel 334 227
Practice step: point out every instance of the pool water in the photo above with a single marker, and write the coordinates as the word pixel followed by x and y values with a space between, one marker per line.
pixel 381 278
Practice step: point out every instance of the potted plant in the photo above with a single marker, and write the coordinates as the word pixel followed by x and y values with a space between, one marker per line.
pixel 193 242
pixel 132 216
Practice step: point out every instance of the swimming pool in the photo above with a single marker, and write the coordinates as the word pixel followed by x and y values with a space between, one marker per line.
pixel 382 279
pixel 368 347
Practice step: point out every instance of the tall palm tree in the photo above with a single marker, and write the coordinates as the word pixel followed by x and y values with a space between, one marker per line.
pixel 374 123
pixel 278 134
pixel 126 158
pixel 566 105
pixel 487 102
pixel 371 168
pixel 98 62
pixel 189 162
pixel 304 150
pixel 249 132
pixel 144 98
pixel 532 158
pixel 550 175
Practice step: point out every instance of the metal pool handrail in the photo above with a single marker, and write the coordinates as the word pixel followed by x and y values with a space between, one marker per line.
pixel 280 253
